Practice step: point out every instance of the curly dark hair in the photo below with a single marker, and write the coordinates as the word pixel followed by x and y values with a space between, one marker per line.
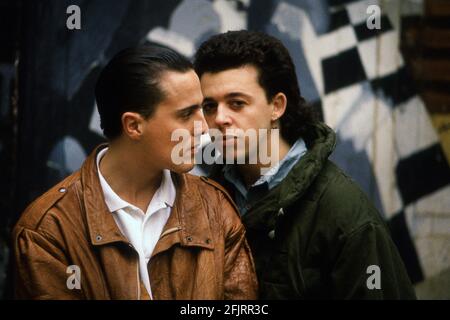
pixel 276 73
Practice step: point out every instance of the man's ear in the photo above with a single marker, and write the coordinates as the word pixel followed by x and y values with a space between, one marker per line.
pixel 133 125
pixel 279 103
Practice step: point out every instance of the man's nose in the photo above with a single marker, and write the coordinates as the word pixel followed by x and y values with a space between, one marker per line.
pixel 222 118
pixel 203 124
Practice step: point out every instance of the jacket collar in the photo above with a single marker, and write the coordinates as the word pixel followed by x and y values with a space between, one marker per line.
pixel 165 194
pixel 321 142
pixel 188 223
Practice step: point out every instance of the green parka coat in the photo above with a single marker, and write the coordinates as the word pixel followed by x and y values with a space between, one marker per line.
pixel 317 236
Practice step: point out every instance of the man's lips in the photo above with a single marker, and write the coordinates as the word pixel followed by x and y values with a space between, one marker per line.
pixel 226 140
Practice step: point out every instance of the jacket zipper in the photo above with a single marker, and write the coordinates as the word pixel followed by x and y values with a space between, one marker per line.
pixel 169 231
pixel 137 272
pixel 138 282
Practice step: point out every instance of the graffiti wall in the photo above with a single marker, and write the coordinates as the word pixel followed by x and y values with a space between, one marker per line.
pixel 349 67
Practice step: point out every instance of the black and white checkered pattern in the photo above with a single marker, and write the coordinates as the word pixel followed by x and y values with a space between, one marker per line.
pixel 420 170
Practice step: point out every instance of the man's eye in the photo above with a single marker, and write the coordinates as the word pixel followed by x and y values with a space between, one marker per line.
pixel 209 108
pixel 237 103
pixel 186 114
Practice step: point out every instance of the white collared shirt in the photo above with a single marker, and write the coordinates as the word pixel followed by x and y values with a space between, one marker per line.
pixel 141 229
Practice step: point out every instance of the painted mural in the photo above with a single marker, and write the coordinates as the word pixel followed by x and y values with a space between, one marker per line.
pixel 356 77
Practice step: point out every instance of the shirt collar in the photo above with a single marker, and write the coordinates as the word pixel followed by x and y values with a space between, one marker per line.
pixel 231 174
pixel 274 175
pixel 280 170
pixel 166 192
pixel 164 196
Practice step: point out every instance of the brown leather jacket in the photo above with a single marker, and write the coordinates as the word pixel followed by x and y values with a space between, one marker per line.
pixel 201 254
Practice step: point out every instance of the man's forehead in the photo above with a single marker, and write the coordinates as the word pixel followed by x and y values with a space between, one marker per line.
pixel 175 80
pixel 229 82
pixel 181 89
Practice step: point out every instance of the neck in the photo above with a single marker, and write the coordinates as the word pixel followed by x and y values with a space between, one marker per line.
pixel 128 174
pixel 252 172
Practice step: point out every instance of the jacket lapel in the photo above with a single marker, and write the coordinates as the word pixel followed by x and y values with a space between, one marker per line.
pixel 188 224
pixel 265 213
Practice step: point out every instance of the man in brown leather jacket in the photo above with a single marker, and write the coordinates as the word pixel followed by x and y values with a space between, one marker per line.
pixel 130 224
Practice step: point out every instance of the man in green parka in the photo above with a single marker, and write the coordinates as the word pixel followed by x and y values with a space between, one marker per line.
pixel 314 234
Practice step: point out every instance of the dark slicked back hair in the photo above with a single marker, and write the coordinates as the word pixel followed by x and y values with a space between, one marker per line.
pixel 276 72
pixel 130 83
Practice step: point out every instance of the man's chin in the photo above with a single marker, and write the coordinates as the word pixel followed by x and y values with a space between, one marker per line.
pixel 182 168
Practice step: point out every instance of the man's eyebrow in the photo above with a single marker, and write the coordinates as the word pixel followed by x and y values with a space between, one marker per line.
pixel 228 96
pixel 236 95
pixel 194 106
